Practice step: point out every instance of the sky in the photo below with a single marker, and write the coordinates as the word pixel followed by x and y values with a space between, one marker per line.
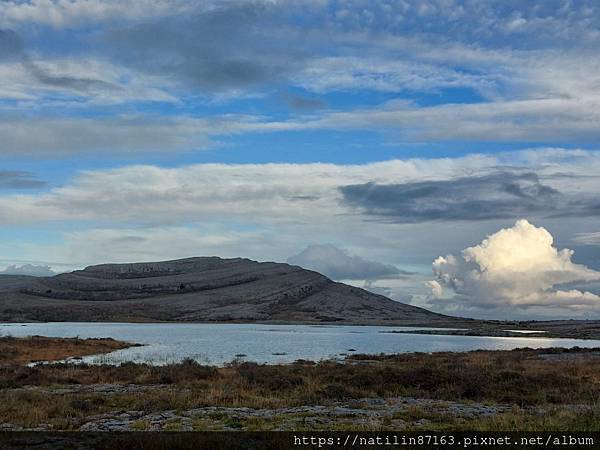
pixel 441 152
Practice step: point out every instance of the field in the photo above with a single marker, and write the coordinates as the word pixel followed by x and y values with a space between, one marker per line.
pixel 522 389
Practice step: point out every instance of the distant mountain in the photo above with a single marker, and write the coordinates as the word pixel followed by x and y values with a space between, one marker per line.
pixel 201 290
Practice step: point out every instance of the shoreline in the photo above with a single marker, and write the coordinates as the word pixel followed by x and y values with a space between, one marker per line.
pixel 553 329
pixel 476 332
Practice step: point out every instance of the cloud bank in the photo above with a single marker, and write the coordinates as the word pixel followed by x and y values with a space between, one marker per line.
pixel 516 267
pixel 28 269
pixel 591 238
pixel 398 191
pixel 339 265
pixel 491 196
pixel 19 179
pixel 530 72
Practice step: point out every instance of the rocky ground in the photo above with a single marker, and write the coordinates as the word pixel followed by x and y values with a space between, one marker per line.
pixel 366 413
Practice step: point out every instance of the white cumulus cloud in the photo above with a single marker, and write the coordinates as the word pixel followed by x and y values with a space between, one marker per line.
pixel 516 267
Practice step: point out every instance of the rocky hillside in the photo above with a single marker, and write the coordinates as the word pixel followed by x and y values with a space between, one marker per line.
pixel 200 289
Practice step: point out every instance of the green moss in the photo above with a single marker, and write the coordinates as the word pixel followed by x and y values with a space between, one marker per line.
pixel 173 425
pixel 139 425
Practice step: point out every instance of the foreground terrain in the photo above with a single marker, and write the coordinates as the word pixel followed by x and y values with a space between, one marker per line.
pixel 551 389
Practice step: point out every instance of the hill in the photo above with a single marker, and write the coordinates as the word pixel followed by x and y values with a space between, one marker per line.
pixel 199 290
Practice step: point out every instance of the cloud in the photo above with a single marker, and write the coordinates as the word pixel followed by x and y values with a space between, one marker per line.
pixel 28 269
pixel 397 191
pixel 574 122
pixel 339 265
pixel 302 103
pixel 73 82
pixel 497 22
pixel 551 119
pixel 99 245
pixel 18 179
pixel 257 192
pixel 384 74
pixel 590 238
pixel 521 24
pixel 498 195
pixel 11 46
pixel 13 51
pixel 517 86
pixel 64 136
pixel 235 45
pixel 79 84
pixel 516 268
pixel 66 13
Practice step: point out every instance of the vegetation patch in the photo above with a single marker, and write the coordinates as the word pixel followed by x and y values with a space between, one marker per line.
pixel 25 350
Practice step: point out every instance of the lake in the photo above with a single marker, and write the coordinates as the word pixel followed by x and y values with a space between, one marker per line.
pixel 220 343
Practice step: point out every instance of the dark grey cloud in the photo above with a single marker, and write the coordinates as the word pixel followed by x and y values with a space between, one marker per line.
pixel 11 46
pixel 12 49
pixel 579 208
pixel 28 269
pixel 79 84
pixel 339 265
pixel 302 103
pixel 128 239
pixel 233 46
pixel 16 179
pixel 495 196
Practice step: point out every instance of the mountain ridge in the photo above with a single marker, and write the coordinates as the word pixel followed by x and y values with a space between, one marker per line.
pixel 201 289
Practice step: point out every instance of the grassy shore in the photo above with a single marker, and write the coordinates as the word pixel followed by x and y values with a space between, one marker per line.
pixel 522 389
pixel 20 351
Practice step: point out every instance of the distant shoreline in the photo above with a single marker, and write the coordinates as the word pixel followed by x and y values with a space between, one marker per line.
pixel 557 329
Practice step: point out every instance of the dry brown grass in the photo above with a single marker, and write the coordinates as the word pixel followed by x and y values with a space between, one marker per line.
pixel 21 351
pixel 518 377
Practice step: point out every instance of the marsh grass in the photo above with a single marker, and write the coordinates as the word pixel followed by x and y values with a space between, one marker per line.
pixel 556 418
pixel 517 377
pixel 520 378
pixel 19 350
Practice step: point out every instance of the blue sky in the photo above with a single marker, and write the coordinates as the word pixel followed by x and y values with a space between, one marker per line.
pixel 394 132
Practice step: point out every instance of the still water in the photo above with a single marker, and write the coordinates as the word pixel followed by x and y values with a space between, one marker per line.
pixel 222 343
